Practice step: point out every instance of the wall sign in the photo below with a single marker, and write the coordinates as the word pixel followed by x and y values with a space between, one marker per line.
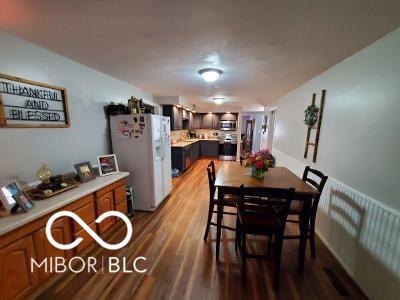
pixel 25 103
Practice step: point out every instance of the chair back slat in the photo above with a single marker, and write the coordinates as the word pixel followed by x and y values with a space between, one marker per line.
pixel 319 186
pixel 253 200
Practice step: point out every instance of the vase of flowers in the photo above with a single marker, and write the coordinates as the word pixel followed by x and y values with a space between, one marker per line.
pixel 258 162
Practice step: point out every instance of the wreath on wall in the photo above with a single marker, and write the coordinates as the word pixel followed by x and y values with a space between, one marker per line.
pixel 311 115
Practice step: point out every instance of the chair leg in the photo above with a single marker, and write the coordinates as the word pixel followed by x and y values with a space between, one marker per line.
pixel 210 213
pixel 277 259
pixel 238 233
pixel 312 236
pixel 270 243
pixel 243 250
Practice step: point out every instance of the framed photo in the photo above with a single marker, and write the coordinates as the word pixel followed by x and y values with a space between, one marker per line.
pixel 7 190
pixel 23 201
pixel 107 164
pixel 85 171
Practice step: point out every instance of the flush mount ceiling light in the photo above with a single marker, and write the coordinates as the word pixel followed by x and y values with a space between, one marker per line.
pixel 218 100
pixel 210 74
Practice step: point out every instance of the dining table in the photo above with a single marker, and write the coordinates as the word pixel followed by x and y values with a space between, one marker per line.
pixel 231 175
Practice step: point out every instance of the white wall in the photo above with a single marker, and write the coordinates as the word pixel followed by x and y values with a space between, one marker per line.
pixel 22 150
pixel 359 149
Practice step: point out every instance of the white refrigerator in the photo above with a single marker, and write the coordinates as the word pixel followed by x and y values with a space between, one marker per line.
pixel 142 145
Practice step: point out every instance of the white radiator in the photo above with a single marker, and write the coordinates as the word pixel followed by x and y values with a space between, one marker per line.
pixel 362 233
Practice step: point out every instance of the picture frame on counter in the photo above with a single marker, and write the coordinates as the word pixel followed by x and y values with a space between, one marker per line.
pixel 23 201
pixel 8 189
pixel 108 164
pixel 85 171
pixel 31 104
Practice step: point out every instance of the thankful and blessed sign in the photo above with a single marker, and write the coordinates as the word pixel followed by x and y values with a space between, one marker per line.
pixel 25 103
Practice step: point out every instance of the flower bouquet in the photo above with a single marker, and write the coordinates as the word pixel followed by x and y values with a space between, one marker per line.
pixel 259 163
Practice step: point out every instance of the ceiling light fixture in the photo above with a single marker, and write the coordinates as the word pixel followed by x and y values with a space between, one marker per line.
pixel 210 74
pixel 218 100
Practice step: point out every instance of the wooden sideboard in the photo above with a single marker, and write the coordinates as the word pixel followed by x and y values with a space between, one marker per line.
pixel 19 245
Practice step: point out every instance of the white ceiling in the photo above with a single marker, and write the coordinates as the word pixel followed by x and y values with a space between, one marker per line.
pixel 265 48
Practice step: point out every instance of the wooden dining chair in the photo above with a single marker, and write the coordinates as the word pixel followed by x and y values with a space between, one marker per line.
pixel 297 206
pixel 263 211
pixel 228 200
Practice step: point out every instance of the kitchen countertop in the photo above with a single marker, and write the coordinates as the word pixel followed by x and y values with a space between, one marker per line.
pixel 43 207
pixel 183 144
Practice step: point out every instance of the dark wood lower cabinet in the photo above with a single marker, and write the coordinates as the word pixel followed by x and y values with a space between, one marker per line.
pixel 183 157
pixel 19 246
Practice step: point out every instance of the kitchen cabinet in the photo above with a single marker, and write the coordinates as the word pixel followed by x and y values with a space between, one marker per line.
pixel 209 148
pixel 185 114
pixel 195 151
pixel 16 278
pixel 229 117
pixel 178 158
pixel 105 203
pixel 61 232
pixel 191 121
pixel 18 246
pixel 197 120
pixel 216 119
pixel 175 114
pixel 207 121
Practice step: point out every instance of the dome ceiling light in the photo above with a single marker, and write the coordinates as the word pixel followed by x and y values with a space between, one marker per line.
pixel 210 74
pixel 218 100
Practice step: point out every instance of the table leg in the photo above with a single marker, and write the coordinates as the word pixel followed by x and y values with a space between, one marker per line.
pixel 304 221
pixel 219 223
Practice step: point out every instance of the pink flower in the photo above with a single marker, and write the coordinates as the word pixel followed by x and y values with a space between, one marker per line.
pixel 259 164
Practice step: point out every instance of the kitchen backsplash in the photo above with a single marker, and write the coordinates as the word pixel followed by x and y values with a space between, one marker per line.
pixel 179 134
pixel 184 134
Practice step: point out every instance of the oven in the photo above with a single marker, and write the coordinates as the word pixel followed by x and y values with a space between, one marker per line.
pixel 227 125
pixel 227 146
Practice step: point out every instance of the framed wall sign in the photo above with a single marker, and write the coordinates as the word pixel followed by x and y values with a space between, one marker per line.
pixel 25 103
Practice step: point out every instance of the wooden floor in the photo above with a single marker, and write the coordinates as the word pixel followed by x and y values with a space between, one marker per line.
pixel 182 266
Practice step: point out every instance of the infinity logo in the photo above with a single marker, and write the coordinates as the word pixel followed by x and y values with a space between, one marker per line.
pixel 89 230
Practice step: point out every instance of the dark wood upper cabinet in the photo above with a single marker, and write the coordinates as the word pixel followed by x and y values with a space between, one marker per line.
pixel 175 114
pixel 197 121
pixel 216 119
pixel 191 121
pixel 207 121
pixel 229 117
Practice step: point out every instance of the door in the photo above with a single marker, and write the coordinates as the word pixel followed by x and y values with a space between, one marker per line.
pixel 271 129
pixel 105 203
pixel 216 119
pixel 61 232
pixel 16 279
pixel 158 150
pixel 207 121
pixel 196 121
pixel 166 159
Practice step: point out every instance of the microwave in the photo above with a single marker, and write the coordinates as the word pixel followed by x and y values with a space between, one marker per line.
pixel 227 125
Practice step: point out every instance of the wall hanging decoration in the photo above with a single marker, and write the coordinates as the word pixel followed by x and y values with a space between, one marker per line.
pixel 313 118
pixel 25 103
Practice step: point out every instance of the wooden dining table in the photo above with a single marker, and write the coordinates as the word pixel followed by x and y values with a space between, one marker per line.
pixel 231 175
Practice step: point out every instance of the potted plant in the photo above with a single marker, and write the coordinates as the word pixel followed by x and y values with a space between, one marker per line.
pixel 259 163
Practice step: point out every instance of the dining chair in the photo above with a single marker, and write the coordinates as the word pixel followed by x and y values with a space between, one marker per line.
pixel 228 200
pixel 297 206
pixel 263 211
